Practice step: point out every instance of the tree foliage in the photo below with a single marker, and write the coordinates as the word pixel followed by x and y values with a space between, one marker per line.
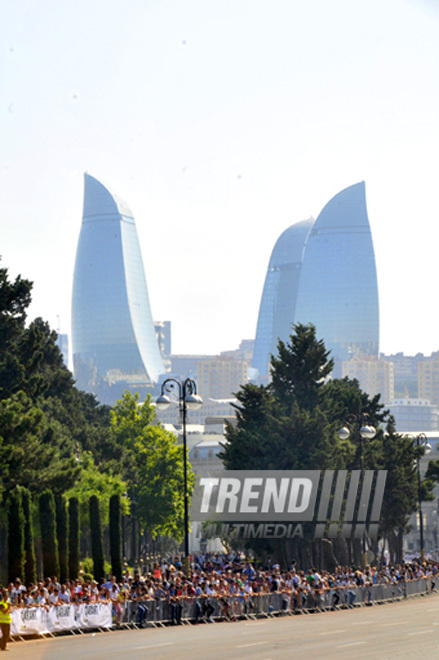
pixel 152 466
pixel 293 423
pixel 62 535
pixel 282 426
pixel 73 511
pixel 97 548
pixel 30 567
pixel 16 523
pixel 115 537
pixel 45 420
pixel 49 541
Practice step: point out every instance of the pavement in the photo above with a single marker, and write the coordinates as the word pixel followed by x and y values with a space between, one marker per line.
pixel 407 629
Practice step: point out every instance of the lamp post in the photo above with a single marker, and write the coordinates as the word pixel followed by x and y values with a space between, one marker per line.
pixel 366 432
pixel 421 441
pixel 188 399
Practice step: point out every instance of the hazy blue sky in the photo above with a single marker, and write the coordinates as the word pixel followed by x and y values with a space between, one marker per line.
pixel 221 122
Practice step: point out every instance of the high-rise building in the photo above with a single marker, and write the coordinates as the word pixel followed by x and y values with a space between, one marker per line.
pixel 279 297
pixel 323 272
pixel 113 334
pixel 428 378
pixel 220 378
pixel 374 375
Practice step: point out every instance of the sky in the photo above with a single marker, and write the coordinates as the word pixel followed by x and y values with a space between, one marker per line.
pixel 221 123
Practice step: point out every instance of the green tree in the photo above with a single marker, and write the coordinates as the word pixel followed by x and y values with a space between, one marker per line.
pixel 398 454
pixel 115 537
pixel 97 548
pixel 283 426
pixel 32 450
pixel 62 534
pixel 293 424
pixel 92 481
pixel 30 567
pixel 73 538
pixel 153 466
pixel 299 370
pixel 15 297
pixel 49 541
pixel 16 524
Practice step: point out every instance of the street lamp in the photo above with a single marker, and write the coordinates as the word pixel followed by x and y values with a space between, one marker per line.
pixel 188 399
pixel 367 432
pixel 421 441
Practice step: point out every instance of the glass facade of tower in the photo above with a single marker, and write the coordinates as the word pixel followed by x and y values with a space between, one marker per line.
pixel 112 328
pixel 279 296
pixel 323 272
pixel 338 289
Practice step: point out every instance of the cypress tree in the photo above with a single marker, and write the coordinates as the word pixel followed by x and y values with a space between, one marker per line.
pixel 97 548
pixel 30 567
pixel 49 541
pixel 16 523
pixel 115 537
pixel 73 538
pixel 62 532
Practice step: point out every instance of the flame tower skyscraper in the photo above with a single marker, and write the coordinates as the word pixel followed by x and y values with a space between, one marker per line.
pixel 323 272
pixel 113 333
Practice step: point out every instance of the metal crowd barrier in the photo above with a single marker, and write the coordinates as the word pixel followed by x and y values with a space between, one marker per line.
pixel 160 612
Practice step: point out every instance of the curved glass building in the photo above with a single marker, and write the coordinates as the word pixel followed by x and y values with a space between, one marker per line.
pixel 113 333
pixel 279 296
pixel 336 287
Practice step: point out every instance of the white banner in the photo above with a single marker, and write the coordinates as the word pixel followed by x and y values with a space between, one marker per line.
pixel 94 615
pixel 62 617
pixel 39 620
pixel 29 621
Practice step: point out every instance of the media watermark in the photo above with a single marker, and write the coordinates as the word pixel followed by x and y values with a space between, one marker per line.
pixel 276 504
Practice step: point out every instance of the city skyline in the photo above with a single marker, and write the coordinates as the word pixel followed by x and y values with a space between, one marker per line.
pixel 222 123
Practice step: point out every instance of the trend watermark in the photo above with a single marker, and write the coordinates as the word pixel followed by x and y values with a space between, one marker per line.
pixel 250 503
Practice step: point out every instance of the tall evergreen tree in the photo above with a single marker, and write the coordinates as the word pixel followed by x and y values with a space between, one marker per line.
pixel 16 524
pixel 299 370
pixel 115 537
pixel 62 533
pixel 282 426
pixel 97 548
pixel 30 568
pixel 49 541
pixel 73 538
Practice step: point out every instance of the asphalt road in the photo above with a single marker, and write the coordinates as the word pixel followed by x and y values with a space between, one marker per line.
pixel 408 629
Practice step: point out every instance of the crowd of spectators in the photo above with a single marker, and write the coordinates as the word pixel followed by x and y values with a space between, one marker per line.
pixel 213 577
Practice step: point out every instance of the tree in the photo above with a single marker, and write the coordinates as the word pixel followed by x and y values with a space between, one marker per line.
pixel 97 548
pixel 299 370
pixel 16 523
pixel 49 541
pixel 115 537
pixel 92 481
pixel 15 297
pixel 283 426
pixel 30 567
pixel 62 534
pixel 398 454
pixel 73 538
pixel 33 452
pixel 153 466
pixel 293 424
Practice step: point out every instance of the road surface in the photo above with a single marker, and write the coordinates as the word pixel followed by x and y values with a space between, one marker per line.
pixel 407 629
